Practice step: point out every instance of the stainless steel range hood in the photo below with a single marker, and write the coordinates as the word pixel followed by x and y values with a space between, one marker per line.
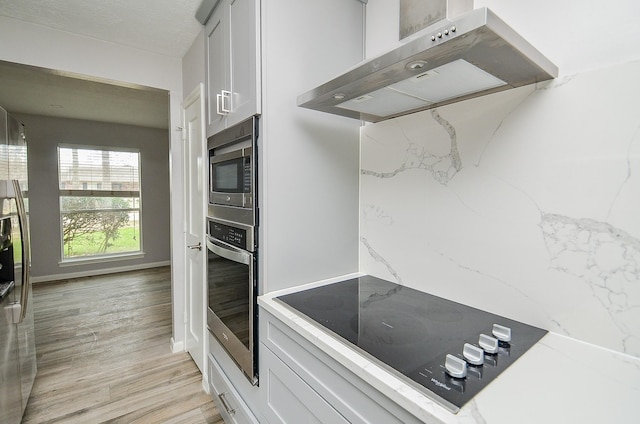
pixel 451 60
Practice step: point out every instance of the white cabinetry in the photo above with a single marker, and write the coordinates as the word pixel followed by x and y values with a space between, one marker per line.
pixel 291 400
pixel 265 53
pixel 232 57
pixel 229 403
pixel 300 383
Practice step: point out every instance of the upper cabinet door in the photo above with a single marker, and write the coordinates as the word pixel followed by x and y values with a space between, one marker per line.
pixel 217 62
pixel 244 33
pixel 232 50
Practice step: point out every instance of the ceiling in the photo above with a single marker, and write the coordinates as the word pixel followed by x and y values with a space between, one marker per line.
pixel 39 91
pixel 165 27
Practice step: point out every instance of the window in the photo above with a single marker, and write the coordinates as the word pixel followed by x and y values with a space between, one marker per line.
pixel 99 202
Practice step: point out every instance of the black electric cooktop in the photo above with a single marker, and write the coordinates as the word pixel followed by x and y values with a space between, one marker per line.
pixel 412 333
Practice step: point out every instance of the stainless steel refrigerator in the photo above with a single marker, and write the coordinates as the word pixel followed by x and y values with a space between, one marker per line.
pixel 17 336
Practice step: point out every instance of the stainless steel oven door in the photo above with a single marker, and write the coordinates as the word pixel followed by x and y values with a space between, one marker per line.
pixel 231 302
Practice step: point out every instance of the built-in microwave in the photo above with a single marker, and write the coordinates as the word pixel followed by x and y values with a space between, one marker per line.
pixel 231 178
pixel 232 166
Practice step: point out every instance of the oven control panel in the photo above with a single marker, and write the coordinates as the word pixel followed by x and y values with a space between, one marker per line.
pixel 232 235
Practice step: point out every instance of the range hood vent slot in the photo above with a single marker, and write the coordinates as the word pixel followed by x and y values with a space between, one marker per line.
pixel 455 58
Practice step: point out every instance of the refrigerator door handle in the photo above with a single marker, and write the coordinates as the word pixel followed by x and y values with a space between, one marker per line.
pixel 26 253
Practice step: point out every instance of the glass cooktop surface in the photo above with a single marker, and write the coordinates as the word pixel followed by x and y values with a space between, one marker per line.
pixel 411 333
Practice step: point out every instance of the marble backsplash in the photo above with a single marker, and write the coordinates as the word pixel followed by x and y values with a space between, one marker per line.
pixel 525 203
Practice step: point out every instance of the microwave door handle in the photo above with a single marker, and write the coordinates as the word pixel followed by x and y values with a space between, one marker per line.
pixel 229 252
pixel 223 157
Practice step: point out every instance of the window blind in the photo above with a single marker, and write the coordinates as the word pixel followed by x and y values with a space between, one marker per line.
pixel 99 170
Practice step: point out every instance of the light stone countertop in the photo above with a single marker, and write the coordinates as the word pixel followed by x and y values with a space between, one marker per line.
pixel 559 380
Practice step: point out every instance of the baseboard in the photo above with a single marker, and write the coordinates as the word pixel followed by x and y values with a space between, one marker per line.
pixel 205 383
pixel 66 276
pixel 176 346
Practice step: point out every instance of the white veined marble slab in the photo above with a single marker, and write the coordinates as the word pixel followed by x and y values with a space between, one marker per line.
pixel 524 203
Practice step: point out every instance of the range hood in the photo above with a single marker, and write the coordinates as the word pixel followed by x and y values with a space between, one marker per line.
pixel 459 57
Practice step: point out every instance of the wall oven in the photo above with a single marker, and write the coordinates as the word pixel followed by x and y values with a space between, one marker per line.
pixel 232 245
pixel 232 291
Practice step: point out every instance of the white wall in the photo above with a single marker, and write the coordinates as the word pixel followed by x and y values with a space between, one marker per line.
pixel 540 222
pixel 309 160
pixel 44 135
pixel 39 46
pixel 193 65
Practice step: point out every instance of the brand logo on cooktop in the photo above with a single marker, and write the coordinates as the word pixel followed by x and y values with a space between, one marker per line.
pixel 440 384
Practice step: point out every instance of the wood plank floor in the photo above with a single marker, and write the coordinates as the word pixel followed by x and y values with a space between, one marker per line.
pixel 103 349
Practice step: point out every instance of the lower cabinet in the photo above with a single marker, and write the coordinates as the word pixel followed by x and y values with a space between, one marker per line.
pixel 228 401
pixel 289 399
pixel 299 383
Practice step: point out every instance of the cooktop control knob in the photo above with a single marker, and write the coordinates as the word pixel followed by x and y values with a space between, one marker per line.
pixel 488 344
pixel 502 333
pixel 473 354
pixel 455 366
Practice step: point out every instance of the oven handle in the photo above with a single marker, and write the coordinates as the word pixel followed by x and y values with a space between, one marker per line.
pixel 228 252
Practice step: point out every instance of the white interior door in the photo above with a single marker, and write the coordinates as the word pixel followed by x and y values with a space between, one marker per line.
pixel 195 204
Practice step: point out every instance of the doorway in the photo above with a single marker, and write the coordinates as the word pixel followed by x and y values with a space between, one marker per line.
pixel 195 206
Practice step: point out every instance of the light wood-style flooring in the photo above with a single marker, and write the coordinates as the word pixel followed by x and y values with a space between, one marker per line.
pixel 104 356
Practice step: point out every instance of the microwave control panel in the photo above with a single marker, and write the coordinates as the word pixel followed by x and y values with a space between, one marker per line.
pixel 247 175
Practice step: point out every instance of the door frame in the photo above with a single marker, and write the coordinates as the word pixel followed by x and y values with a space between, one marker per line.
pixel 197 95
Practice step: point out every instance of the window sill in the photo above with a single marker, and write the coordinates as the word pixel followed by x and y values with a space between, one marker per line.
pixel 101 259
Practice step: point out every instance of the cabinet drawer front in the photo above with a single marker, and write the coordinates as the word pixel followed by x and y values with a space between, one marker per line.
pixel 289 400
pixel 227 400
pixel 352 397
